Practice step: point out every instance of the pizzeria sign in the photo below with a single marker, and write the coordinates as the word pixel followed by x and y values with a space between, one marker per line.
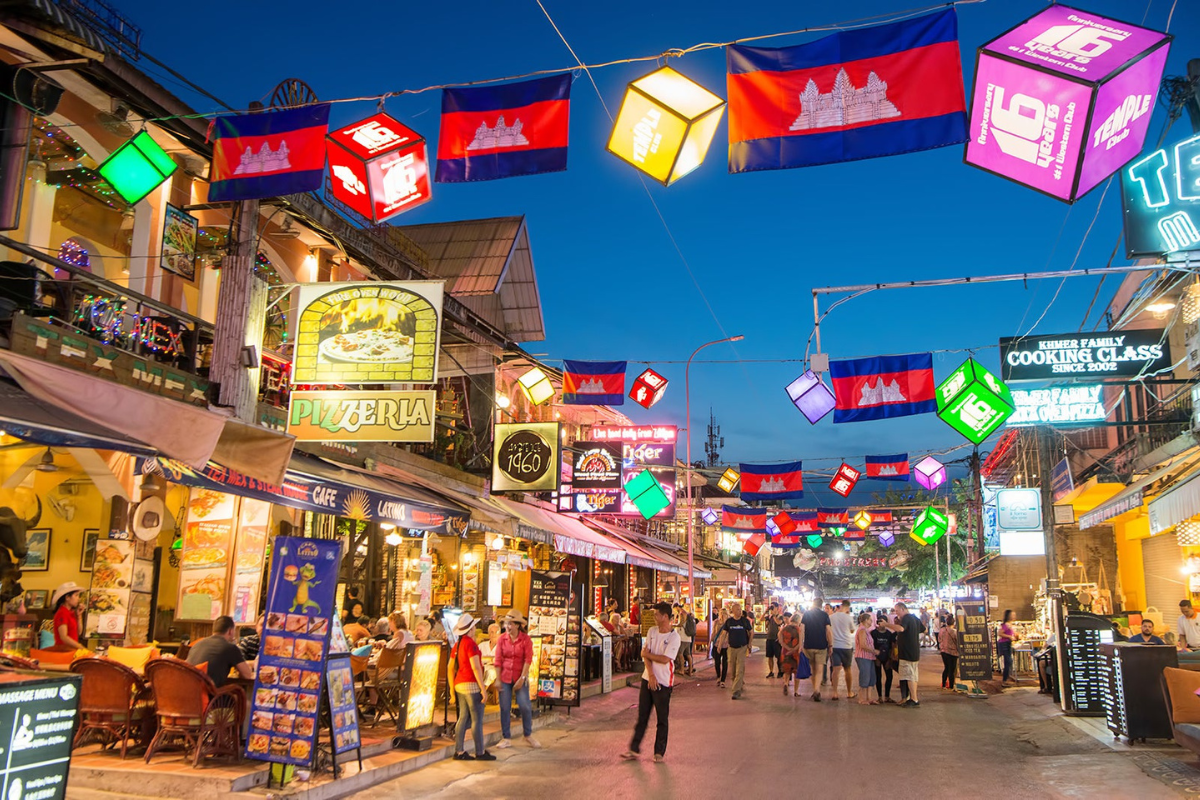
pixel 366 416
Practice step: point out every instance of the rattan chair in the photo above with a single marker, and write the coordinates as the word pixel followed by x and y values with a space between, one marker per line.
pixel 191 709
pixel 114 703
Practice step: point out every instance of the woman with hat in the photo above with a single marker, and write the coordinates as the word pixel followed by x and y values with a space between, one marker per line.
pixel 514 654
pixel 465 674
pixel 66 616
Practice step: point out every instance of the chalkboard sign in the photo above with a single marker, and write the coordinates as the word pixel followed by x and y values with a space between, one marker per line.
pixel 38 716
pixel 974 647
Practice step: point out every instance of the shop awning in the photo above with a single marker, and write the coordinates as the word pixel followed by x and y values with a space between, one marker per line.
pixel 180 431
pixel 527 525
pixel 1180 502
pixel 485 514
pixel 642 553
pixel 1130 499
pixel 569 534
pixel 28 418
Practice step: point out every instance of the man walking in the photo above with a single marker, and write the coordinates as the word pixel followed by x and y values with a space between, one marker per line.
pixel 662 645
pixel 740 631
pixel 687 633
pixel 909 629
pixel 843 627
pixel 774 621
pixel 817 635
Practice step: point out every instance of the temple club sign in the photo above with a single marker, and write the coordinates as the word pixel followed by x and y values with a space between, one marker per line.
pixel 1118 354
pixel 1058 405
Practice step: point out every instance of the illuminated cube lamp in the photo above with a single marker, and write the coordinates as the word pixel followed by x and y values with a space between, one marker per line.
pixel 814 540
pixel 378 167
pixel 729 479
pixel 929 526
pixel 929 473
pixel 137 168
pixel 837 532
pixel 973 401
pixel 887 538
pixel 844 480
pixel 645 492
pixel 1064 99
pixel 772 527
pixel 710 516
pixel 862 520
pixel 648 388
pixel 665 125
pixel 784 523
pixel 536 386
pixel 810 394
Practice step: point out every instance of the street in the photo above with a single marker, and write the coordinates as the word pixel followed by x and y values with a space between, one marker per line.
pixel 953 746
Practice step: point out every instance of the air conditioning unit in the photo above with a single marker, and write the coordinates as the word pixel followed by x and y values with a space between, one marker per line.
pixel 1191 343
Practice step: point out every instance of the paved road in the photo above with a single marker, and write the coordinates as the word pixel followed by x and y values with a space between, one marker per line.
pixel 768 745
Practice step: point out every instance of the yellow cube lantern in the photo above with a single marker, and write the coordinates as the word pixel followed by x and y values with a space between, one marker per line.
pixel 536 386
pixel 728 480
pixel 665 125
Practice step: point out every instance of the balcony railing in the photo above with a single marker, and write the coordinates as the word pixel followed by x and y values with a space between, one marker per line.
pixel 1163 423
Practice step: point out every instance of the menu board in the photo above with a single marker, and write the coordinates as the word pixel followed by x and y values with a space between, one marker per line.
pixel 572 693
pixel 1084 679
pixel 112 581
pixel 38 717
pixel 204 564
pixel 549 604
pixel 605 653
pixel 974 647
pixel 343 711
pixel 420 683
pixel 287 686
pixel 254 518
pixel 535 666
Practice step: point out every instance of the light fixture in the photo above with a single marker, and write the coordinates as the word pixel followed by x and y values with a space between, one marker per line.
pixel 646 494
pixel 137 168
pixel 844 479
pixel 862 520
pixel 503 402
pixel 498 542
pixel 393 538
pixel 887 538
pixel 1160 309
pixel 929 473
pixel 47 463
pixel 929 526
pixel 710 516
pixel 973 401
pixel 728 480
pixel 536 386
pixel 814 540
pixel 784 523
pixel 379 167
pixel 665 125
pixel 1188 533
pixel 1191 304
pixel 810 394
pixel 648 388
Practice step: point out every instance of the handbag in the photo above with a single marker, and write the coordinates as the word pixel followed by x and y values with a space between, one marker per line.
pixel 803 669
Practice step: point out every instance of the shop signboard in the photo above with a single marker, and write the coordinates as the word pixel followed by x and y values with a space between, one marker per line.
pixel 1061 481
pixel 1073 406
pixel 362 416
pixel 367 332
pixel 1019 509
pixel 855 561
pixel 109 598
pixel 1160 193
pixel 249 559
pixel 558 621
pixel 420 683
pixel 605 653
pixel 597 465
pixel 1114 354
pixel 38 714
pixel 974 646
pixel 179 242
pixel 295 642
pixel 343 710
pixel 600 501
pixel 525 457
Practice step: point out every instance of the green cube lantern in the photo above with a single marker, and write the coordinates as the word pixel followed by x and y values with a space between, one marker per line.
pixel 137 168
pixel 814 540
pixel 645 492
pixel 973 401
pixel 929 526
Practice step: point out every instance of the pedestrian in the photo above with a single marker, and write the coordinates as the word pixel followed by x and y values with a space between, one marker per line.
pixel 885 663
pixel 513 657
pixel 720 651
pixel 789 653
pixel 464 671
pixel 909 629
pixel 774 621
pixel 687 633
pixel 843 626
pixel 828 609
pixel 816 634
pixel 864 656
pixel 741 634
pixel 662 645
pixel 948 647
pixel 1004 645
pixel 926 636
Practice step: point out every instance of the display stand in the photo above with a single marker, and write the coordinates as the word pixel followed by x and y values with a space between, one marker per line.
pixel 339 714
pixel 418 695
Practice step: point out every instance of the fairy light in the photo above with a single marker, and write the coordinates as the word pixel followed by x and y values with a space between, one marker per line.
pixel 74 254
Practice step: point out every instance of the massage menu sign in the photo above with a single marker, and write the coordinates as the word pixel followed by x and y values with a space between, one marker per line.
pixel 295 643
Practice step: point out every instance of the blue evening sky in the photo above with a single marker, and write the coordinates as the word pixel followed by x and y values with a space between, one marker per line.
pixel 613 285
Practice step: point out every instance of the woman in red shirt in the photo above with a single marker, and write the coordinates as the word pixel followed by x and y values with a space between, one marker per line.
pixel 514 654
pixel 66 616
pixel 465 673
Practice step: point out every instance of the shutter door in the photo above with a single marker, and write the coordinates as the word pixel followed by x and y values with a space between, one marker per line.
pixel 1161 559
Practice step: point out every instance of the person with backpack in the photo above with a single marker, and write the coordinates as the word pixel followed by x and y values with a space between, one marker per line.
pixel 687 634
pixel 464 671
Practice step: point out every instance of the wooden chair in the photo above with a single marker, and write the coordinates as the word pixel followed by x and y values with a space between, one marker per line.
pixel 192 709
pixel 114 702
pixel 385 686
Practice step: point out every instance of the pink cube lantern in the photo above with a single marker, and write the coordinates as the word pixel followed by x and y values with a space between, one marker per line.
pixel 810 394
pixel 929 473
pixel 648 388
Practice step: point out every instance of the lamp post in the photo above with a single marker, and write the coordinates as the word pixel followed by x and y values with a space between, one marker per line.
pixel 687 394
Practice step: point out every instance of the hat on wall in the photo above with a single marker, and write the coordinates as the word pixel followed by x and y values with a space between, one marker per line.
pixel 70 587
pixel 465 623
pixel 148 518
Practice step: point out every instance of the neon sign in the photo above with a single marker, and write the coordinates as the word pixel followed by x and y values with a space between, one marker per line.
pixel 1161 197
pixel 1058 405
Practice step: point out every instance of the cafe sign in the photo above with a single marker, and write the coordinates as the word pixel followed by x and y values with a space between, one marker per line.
pixel 362 416
pixel 1116 354
pixel 525 457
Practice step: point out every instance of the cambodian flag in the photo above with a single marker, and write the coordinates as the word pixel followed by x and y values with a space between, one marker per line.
pixel 806 521
pixel 593 383
pixel 888 468
pixel 491 132
pixel 833 517
pixel 883 386
pixel 770 482
pixel 866 93
pixel 268 154
pixel 743 521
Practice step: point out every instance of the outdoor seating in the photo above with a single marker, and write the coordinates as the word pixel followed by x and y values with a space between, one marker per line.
pixel 1179 687
pixel 135 658
pixel 190 708
pixel 114 703
pixel 382 691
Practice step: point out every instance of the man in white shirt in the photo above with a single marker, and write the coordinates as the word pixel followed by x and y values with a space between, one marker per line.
pixel 842 623
pixel 662 645
pixel 1188 627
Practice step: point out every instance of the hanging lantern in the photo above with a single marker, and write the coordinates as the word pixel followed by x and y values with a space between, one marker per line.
pixel 929 526
pixel 378 167
pixel 973 401
pixel 648 388
pixel 863 520
pixel 645 492
pixel 844 479
pixel 784 523
pixel 665 125
pixel 137 168
pixel 536 386
pixel 837 533
pixel 929 473
pixel 810 394
pixel 887 538
pixel 1187 533
pixel 814 540
pixel 772 527
pixel 728 480
pixel 752 545
pixel 393 539
pixel 710 516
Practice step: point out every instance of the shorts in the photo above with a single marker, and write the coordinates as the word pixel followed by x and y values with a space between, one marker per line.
pixel 842 657
pixel 817 659
pixel 866 672
pixel 774 648
pixel 908 671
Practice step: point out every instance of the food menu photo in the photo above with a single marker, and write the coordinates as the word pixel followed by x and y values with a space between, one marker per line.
pixel 254 519
pixel 343 710
pixel 549 597
pixel 204 565
pixel 295 646
pixel 112 582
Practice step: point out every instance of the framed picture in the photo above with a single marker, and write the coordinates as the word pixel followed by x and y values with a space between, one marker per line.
pixel 38 541
pixel 179 243
pixel 88 554
pixel 36 599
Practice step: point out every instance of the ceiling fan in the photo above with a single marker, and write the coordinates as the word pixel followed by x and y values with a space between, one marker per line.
pixel 91 464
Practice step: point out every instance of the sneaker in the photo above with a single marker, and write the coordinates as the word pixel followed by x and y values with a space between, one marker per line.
pixel 910 704
pixel 503 744
pixel 463 757
pixel 816 697
pixel 532 742
pixel 658 759
pixel 629 755
pixel 485 756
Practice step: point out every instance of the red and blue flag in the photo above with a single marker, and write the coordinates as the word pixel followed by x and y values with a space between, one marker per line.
pixel 806 521
pixel 593 383
pixel 743 521
pixel 770 482
pixel 833 517
pixel 866 93
pixel 268 154
pixel 882 387
pixel 492 132
pixel 888 468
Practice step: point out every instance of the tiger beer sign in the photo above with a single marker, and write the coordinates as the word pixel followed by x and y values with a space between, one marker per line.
pixel 362 416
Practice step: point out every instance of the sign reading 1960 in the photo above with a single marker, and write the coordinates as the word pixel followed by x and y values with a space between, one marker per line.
pixel 1115 354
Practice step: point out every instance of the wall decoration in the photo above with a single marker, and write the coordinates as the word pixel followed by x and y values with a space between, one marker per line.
pixel 35 599
pixel 525 457
pixel 179 242
pixel 87 552
pixel 112 584
pixel 38 542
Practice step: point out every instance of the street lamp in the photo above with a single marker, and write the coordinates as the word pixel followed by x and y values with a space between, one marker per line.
pixel 687 393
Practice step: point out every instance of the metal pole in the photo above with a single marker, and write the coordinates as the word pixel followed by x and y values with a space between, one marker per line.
pixel 1053 593
pixel 1015 276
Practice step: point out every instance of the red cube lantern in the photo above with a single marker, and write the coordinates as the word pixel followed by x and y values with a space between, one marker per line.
pixel 379 167
pixel 844 480
pixel 785 523
pixel 648 388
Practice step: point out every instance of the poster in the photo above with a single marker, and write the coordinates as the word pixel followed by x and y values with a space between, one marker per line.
pixel 38 716
pixel 204 563
pixel 974 649
pixel 526 456
pixel 549 604
pixel 287 686
pixel 179 242
pixel 249 558
pixel 109 596
pixel 343 711
pixel 140 619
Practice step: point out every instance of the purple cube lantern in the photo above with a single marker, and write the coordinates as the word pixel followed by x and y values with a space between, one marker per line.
pixel 929 473
pixel 772 528
pixel 887 538
pixel 811 396
pixel 710 516
pixel 1063 100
